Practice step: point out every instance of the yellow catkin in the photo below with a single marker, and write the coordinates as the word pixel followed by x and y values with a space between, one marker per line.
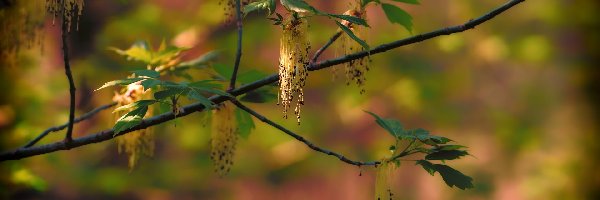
pixel 22 25
pixel 136 143
pixel 223 138
pixel 383 189
pixel 68 9
pixel 229 7
pixel 355 69
pixel 293 62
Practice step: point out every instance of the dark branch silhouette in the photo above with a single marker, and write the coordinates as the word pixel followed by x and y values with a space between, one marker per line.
pixel 65 48
pixel 61 127
pixel 238 55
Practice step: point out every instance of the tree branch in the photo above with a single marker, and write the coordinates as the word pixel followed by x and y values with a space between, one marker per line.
pixel 324 47
pixel 238 55
pixel 61 127
pixel 186 110
pixel 300 138
pixel 65 48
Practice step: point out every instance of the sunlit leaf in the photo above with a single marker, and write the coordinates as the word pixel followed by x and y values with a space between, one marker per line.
pixel 269 5
pixel 139 51
pixel 351 19
pixel 119 82
pixel 130 119
pixel 298 6
pixel 135 105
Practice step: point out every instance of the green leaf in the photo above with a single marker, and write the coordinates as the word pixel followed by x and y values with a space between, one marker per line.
pixel 130 119
pixel 392 126
pixel 298 6
pixel 139 51
pixel 244 122
pixel 453 177
pixel 427 166
pixel 446 155
pixel 450 147
pixel 416 2
pixel 261 95
pixel 269 5
pixel 351 19
pixel 398 16
pixel 436 140
pixel 149 83
pixel 119 82
pixel 167 54
pixel 135 105
pixel 420 134
pixel 195 95
pixel 170 92
pixel 146 73
pixel 354 37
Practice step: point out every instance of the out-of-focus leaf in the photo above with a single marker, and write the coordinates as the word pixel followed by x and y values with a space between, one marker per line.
pixel 224 71
pixel 130 119
pixel 365 2
pixel 201 61
pixel 250 76
pixel 446 155
pixel 149 83
pixel 351 34
pixel 450 147
pixel 244 122
pixel 146 73
pixel 398 16
pixel 261 95
pixel 139 51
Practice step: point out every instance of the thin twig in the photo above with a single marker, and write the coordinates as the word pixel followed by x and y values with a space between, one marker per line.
pixel 65 48
pixel 238 55
pixel 300 138
pixel 61 127
pixel 324 47
pixel 196 107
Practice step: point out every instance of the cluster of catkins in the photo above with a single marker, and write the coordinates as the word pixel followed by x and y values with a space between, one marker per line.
pixel 223 137
pixel 355 70
pixel 293 63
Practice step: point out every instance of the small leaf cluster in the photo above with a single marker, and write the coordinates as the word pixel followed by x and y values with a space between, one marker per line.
pixel 163 65
pixel 434 148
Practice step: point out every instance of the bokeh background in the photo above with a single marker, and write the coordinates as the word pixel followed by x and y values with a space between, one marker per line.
pixel 521 91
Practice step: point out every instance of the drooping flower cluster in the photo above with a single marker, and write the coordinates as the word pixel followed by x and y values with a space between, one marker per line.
pixel 138 142
pixel 355 70
pixel 293 63
pixel 223 138
pixel 383 188
pixel 22 25
pixel 229 7
pixel 67 9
